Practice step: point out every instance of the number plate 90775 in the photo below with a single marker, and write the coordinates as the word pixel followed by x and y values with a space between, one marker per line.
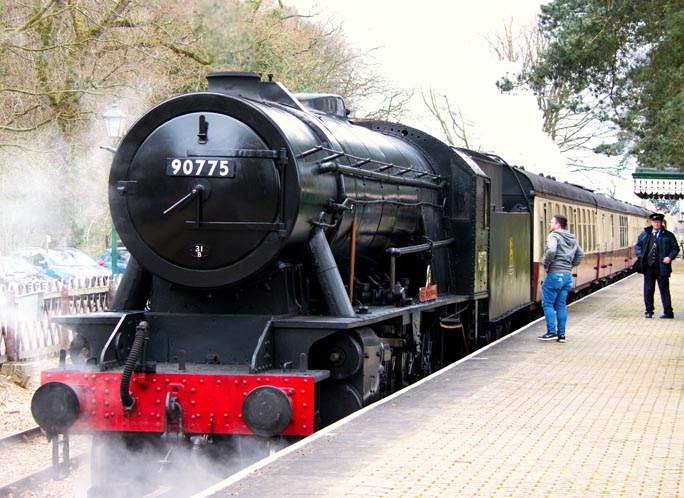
pixel 200 166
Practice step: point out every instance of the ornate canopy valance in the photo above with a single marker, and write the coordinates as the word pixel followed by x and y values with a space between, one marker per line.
pixel 651 183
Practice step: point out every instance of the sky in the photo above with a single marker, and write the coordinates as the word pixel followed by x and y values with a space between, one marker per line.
pixel 443 45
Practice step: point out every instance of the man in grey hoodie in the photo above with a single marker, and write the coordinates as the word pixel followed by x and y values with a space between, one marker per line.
pixel 563 253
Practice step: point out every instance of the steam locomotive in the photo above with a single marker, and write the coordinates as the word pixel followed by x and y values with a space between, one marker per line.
pixel 290 267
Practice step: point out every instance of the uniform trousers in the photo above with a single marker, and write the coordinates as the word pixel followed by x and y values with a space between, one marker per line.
pixel 651 276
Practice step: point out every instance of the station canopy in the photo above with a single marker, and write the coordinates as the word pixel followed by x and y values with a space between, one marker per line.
pixel 652 183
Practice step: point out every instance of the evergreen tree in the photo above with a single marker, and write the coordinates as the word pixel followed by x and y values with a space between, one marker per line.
pixel 620 61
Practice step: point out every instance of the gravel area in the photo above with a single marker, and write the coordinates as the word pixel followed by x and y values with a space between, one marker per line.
pixel 15 406
pixel 15 416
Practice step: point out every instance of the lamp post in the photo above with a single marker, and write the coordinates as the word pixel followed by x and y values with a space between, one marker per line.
pixel 115 124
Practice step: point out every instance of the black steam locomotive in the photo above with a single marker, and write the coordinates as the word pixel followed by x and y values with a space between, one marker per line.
pixel 288 268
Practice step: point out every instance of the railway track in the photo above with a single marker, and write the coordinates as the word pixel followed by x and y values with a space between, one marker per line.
pixel 37 479
pixel 19 436
pixel 28 471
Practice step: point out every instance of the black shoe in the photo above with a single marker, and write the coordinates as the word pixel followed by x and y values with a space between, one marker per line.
pixel 667 315
pixel 561 338
pixel 648 314
pixel 547 337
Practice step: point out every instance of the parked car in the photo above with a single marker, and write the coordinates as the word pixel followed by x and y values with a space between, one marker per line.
pixel 17 273
pixel 122 256
pixel 62 264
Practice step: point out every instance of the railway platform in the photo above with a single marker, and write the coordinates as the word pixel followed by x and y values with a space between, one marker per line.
pixel 599 416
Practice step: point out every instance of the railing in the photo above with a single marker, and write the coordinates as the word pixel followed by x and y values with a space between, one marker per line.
pixel 26 312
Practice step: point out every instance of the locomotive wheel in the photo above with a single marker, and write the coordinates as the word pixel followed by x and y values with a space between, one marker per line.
pixel 507 327
pixel 485 338
pixel 341 354
pixel 338 399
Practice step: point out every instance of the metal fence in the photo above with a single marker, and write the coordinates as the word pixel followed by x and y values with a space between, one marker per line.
pixel 26 312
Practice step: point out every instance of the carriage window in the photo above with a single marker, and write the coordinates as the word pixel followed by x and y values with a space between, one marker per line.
pixel 571 221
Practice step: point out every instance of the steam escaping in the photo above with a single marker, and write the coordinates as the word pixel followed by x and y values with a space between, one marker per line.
pixel 54 193
pixel 47 201
pixel 143 465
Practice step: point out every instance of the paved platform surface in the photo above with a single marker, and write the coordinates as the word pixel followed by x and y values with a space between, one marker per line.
pixel 599 416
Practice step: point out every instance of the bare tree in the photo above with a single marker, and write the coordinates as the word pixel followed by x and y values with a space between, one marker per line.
pixel 451 120
pixel 303 51
pixel 394 106
pixel 513 45
pixel 60 58
pixel 572 129
pixel 62 63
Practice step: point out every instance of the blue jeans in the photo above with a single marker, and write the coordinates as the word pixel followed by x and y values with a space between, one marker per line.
pixel 555 290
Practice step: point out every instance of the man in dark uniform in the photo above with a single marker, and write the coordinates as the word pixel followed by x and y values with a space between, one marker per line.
pixel 658 248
